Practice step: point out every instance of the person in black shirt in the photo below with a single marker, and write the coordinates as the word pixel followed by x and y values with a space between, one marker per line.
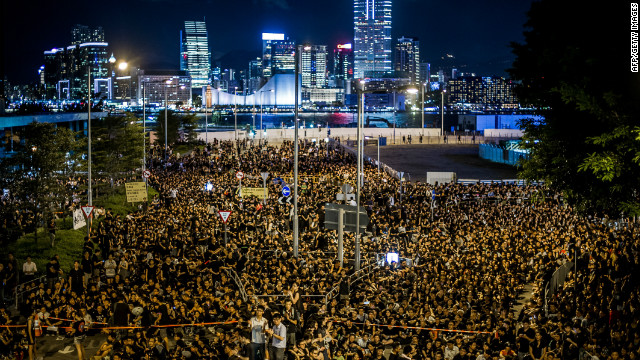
pixel 78 330
pixel 76 279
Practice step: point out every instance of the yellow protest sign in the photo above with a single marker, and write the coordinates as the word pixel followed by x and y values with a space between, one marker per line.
pixel 136 192
pixel 259 192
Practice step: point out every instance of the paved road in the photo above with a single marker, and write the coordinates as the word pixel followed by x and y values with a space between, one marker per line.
pixel 49 347
pixel 417 159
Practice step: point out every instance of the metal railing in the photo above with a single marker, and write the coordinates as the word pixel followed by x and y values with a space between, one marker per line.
pixel 232 274
pixel 20 288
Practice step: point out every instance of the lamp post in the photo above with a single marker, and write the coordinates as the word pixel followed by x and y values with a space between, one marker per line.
pixel 166 130
pixel 394 116
pixel 442 112
pixel 295 151
pixel 89 193
pixel 422 107
pixel 261 101
pixel 235 113
pixel 144 128
pixel 206 123
pixel 360 153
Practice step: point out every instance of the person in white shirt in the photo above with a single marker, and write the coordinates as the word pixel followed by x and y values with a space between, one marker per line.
pixel 258 326
pixel 279 338
pixel 450 351
pixel 29 269
pixel 110 268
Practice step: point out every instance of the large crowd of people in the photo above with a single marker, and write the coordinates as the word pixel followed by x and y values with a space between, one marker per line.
pixel 173 281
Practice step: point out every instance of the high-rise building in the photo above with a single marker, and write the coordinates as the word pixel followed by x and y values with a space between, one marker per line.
pixel 81 34
pixel 407 59
pixel 277 55
pixel 313 66
pixel 283 57
pixel 173 85
pixel 195 57
pixel 425 72
pixel 481 93
pixel 372 38
pixel 343 64
pixel 67 69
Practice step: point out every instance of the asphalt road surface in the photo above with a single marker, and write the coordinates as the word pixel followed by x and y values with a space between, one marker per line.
pixel 463 159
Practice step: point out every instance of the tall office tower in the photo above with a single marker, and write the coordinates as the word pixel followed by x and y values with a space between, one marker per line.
pixel 482 93
pixel 81 34
pixel 195 57
pixel 343 64
pixel 372 38
pixel 314 66
pixel 407 59
pixel 277 55
pixel 66 69
pixel 425 72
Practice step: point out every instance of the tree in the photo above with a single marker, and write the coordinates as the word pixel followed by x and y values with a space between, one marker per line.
pixel 573 69
pixel 181 127
pixel 116 146
pixel 173 125
pixel 37 172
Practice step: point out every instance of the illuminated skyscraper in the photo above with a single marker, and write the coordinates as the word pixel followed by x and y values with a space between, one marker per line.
pixel 407 62
pixel 195 57
pixel 314 66
pixel 81 34
pixel 372 38
pixel 343 62
pixel 66 69
pixel 277 55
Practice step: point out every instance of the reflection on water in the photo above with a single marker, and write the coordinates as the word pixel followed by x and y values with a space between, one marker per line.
pixel 377 119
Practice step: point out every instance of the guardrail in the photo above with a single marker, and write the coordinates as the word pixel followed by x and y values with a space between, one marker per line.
pixel 232 274
pixel 21 286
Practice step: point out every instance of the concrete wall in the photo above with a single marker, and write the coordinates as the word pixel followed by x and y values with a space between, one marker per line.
pixel 278 135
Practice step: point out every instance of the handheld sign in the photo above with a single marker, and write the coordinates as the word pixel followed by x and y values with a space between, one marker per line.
pixel 224 215
pixel 286 191
pixel 239 175
pixel 87 210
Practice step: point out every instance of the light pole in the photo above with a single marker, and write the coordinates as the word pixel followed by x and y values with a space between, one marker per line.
pixel 358 171
pixel 422 107
pixel 442 112
pixel 166 130
pixel 261 101
pixel 89 193
pixel 394 116
pixel 235 113
pixel 295 152
pixel 144 128
pixel 206 124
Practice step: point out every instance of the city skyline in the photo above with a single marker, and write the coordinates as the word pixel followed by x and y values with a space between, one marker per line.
pixel 140 32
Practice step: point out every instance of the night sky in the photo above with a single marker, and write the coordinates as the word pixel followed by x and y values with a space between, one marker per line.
pixel 146 32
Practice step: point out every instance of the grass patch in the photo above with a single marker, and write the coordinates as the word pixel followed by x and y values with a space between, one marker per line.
pixel 68 241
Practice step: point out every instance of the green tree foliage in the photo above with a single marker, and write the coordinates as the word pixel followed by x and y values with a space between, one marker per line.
pixel 181 127
pixel 37 171
pixel 116 146
pixel 574 67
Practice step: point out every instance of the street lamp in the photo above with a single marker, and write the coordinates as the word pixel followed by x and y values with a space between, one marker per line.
pixel 89 192
pixel 442 112
pixel 235 112
pixel 424 85
pixel 261 101
pixel 166 130
pixel 360 154
pixel 144 128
